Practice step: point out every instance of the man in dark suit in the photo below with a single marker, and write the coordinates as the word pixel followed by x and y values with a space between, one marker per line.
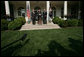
pixel 36 15
pixel 44 17
pixel 33 17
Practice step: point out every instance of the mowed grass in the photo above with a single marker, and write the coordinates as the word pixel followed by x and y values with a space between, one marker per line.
pixel 49 42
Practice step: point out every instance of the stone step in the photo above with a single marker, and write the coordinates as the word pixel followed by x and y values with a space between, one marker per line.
pixel 43 26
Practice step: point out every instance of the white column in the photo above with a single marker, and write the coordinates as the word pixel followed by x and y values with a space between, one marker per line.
pixel 27 4
pixel 7 8
pixel 65 9
pixel 48 6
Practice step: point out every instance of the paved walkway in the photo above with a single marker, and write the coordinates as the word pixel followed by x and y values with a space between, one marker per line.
pixel 37 27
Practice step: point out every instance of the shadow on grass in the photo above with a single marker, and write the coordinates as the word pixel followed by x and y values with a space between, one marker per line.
pixel 55 49
pixel 9 50
pixel 22 38
pixel 77 46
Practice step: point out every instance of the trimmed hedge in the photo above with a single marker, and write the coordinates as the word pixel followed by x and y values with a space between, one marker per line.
pixel 72 22
pixel 67 23
pixel 12 25
pixel 56 20
pixel 63 23
pixel 60 22
pixel 80 22
pixel 22 19
pixel 16 24
pixel 4 24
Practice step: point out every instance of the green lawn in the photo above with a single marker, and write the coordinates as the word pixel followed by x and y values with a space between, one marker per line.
pixel 53 42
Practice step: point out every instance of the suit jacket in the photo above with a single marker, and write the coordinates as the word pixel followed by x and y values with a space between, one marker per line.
pixel 33 15
pixel 44 14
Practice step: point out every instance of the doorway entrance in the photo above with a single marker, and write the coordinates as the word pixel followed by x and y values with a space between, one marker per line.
pixel 54 11
pixel 21 12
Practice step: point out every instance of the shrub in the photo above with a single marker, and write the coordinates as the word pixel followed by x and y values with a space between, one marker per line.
pixel 63 23
pixel 22 19
pixel 56 20
pixel 11 25
pixel 17 23
pixel 4 24
pixel 60 22
pixel 80 22
pixel 67 23
pixel 72 22
pixel 14 25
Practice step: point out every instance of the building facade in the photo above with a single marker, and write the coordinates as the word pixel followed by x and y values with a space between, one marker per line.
pixel 59 8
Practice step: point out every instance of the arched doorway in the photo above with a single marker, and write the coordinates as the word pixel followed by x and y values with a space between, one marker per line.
pixel 21 11
pixel 37 8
